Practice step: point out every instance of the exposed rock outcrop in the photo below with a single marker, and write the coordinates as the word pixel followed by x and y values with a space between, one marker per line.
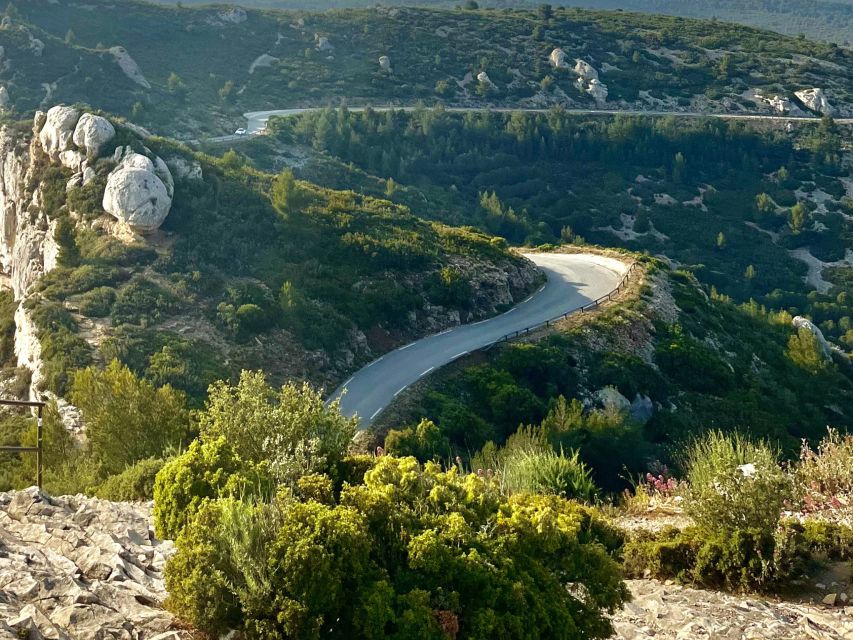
pixel 804 323
pixel 672 612
pixel 322 43
pixel 779 104
pixel 588 81
pixel 92 134
pixel 136 195
pixel 484 78
pixel 81 568
pixel 385 64
pixel 263 60
pixel 129 67
pixel 57 133
pixel 816 100
pixel 5 100
pixel 184 169
pixel 558 59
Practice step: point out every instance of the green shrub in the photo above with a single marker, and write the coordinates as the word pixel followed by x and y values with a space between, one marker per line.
pixel 291 429
pixel 825 474
pixel 425 442
pixel 408 548
pixel 735 484
pixel 127 419
pixel 133 484
pixel 206 470
pixel 197 585
pixel 548 472
pixel 98 302
pixel 736 560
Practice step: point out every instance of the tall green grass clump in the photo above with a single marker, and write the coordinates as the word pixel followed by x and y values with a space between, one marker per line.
pixel 545 471
pixel 735 483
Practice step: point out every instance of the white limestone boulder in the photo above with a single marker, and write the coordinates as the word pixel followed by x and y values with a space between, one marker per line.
pixel 72 159
pixel 129 67
pixel 92 133
pixel 597 89
pixel 815 99
pixel 323 43
pixel 484 78
pixel 5 100
pixel 558 59
pixel 263 60
pixel 185 169
pixel 800 322
pixel 385 64
pixel 585 70
pixel 136 195
pixel 57 133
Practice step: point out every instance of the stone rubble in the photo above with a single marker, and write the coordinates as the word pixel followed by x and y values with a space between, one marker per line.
pixel 672 612
pixel 81 568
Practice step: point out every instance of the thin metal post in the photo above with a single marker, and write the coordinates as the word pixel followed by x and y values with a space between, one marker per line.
pixel 39 446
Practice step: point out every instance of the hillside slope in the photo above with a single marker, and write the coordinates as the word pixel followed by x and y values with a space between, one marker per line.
pixel 188 268
pixel 186 70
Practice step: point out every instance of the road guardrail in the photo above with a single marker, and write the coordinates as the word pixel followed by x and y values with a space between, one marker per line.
pixel 582 309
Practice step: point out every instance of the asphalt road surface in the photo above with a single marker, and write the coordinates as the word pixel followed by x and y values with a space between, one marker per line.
pixel 574 280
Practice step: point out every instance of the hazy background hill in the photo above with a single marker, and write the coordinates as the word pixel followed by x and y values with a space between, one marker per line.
pixel 821 19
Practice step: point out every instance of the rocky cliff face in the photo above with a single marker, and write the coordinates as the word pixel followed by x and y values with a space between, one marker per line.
pixel 139 195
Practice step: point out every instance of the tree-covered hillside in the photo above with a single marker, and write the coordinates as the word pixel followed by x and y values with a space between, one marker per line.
pixel 830 20
pixel 248 270
pixel 197 69
pixel 755 210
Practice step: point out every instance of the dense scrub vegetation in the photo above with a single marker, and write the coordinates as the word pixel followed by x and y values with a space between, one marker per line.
pixel 818 19
pixel 198 64
pixel 713 364
pixel 728 200
pixel 249 269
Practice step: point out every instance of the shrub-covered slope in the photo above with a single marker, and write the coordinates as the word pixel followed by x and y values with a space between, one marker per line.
pixel 248 270
pixel 199 68
pixel 755 209
pixel 648 376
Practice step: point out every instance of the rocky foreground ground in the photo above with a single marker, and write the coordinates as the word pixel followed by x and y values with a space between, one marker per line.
pixel 77 567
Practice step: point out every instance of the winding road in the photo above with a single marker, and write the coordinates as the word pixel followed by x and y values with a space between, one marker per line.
pixel 574 280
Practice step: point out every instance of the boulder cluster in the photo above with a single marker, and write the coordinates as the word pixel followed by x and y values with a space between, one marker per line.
pixel 587 76
pixel 80 568
pixel 139 190
pixel 815 100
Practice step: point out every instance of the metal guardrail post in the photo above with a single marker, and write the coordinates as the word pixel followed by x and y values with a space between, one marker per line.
pixel 39 406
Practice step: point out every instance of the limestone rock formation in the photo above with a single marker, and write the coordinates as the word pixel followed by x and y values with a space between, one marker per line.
pixel 323 44
pixel 558 59
pixel 57 133
pixel 597 90
pixel 136 195
pixel 585 70
pixel 385 64
pixel 815 99
pixel 185 169
pixel 804 323
pixel 484 78
pixel 129 67
pixel 263 60
pixel 672 612
pixel 92 134
pixel 5 100
pixel 81 568
pixel 588 81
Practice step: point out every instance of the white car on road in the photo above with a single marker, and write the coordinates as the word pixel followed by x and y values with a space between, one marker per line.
pixel 240 132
